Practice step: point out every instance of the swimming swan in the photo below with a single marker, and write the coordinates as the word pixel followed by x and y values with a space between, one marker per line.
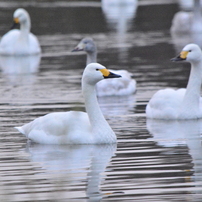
pixel 181 103
pixel 122 86
pixel 187 22
pixel 75 127
pixel 20 42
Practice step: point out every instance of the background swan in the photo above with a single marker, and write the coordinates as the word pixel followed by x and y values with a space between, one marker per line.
pixel 188 5
pixel 187 22
pixel 122 86
pixel 181 103
pixel 75 127
pixel 20 42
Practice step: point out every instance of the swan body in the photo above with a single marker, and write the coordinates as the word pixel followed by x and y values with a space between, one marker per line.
pixel 188 22
pixel 20 42
pixel 181 22
pixel 181 103
pixel 75 127
pixel 122 86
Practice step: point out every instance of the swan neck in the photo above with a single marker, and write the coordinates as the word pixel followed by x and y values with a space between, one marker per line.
pixel 194 83
pixel 91 104
pixel 25 27
pixel 192 95
pixel 91 57
pixel 100 127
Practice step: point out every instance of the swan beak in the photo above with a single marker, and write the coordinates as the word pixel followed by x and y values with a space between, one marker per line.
pixel 107 74
pixel 15 23
pixel 181 57
pixel 79 47
pixel 16 20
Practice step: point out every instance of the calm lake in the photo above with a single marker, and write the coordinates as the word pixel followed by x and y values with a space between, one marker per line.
pixel 153 161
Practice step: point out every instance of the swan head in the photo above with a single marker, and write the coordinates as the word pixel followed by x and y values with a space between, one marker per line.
pixel 95 72
pixel 86 44
pixel 20 16
pixel 190 53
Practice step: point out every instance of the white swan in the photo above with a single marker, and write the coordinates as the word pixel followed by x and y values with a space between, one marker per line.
pixel 188 22
pixel 181 103
pixel 75 127
pixel 188 5
pixel 20 42
pixel 122 86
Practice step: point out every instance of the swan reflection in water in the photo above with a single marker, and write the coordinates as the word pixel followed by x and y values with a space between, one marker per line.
pixel 117 105
pixel 20 64
pixel 119 15
pixel 74 165
pixel 20 68
pixel 179 133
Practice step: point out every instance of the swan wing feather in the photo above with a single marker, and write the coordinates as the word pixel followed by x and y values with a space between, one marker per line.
pixel 59 128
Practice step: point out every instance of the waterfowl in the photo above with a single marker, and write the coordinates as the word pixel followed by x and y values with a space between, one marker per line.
pixel 187 22
pixel 181 103
pixel 75 127
pixel 119 87
pixel 20 42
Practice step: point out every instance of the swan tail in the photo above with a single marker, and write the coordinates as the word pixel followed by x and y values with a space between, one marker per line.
pixel 20 129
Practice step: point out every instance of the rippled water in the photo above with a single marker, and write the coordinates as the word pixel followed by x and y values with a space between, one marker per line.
pixel 153 160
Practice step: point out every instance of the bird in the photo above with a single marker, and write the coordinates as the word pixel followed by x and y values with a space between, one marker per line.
pixel 181 103
pixel 20 41
pixel 187 22
pixel 119 87
pixel 75 127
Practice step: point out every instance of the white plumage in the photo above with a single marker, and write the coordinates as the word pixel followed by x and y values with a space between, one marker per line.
pixel 181 103
pixel 20 42
pixel 118 87
pixel 188 22
pixel 75 127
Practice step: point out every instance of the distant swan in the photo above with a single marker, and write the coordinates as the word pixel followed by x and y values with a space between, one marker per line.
pixel 187 22
pixel 181 103
pixel 20 42
pixel 75 127
pixel 122 86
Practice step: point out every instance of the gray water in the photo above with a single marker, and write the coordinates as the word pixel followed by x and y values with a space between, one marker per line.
pixel 152 161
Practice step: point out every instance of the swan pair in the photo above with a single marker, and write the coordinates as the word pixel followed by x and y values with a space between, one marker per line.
pixel 20 42
pixel 75 127
pixel 181 103
pixel 118 87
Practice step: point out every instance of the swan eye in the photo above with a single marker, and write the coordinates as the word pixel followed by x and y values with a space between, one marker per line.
pixel 97 69
pixel 189 50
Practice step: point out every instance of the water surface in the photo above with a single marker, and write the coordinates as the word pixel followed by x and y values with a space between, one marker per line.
pixel 152 161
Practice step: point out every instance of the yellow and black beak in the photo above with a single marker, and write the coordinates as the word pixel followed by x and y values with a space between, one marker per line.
pixel 107 74
pixel 15 22
pixel 181 57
